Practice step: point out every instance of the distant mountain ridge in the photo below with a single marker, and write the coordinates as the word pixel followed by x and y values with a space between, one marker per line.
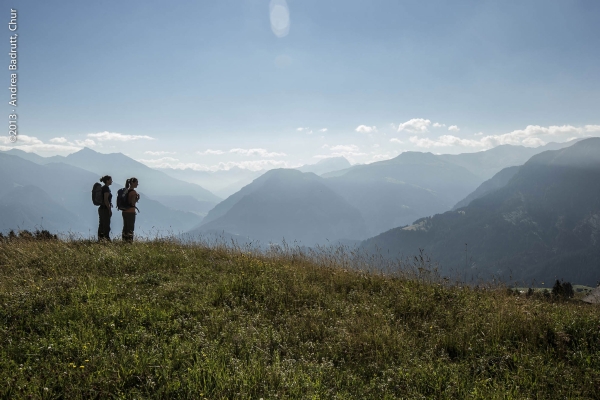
pixel 388 194
pixel 285 204
pixel 395 192
pixel 326 165
pixel 496 182
pixel 31 208
pixel 484 164
pixel 121 167
pixel 172 191
pixel 544 224
pixel 222 183
pixel 61 194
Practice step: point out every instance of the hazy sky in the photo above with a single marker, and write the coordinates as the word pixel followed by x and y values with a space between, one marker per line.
pixel 256 83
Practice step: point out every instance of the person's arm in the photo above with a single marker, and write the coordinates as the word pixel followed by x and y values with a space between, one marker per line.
pixel 133 198
pixel 106 202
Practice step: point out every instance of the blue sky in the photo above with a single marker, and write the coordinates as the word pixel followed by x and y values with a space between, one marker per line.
pixel 215 84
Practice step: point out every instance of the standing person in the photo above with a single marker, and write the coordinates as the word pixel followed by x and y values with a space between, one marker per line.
pixel 105 209
pixel 129 211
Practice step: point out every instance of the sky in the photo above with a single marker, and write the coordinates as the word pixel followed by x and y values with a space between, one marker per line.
pixel 213 84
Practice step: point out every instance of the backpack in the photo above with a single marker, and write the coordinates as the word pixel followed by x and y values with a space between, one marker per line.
pixel 123 199
pixel 97 194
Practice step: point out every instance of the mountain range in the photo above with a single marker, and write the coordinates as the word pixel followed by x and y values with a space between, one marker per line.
pixel 57 196
pixel 285 204
pixel 224 183
pixel 387 194
pixel 542 224
pixel 326 165
pixel 510 212
pixel 174 193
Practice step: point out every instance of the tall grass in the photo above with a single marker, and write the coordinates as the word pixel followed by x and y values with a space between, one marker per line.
pixel 165 319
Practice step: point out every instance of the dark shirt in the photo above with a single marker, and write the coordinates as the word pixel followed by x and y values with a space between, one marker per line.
pixel 106 189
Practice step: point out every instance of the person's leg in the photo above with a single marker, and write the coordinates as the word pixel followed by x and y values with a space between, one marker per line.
pixel 132 226
pixel 100 227
pixel 128 226
pixel 124 231
pixel 107 225
pixel 103 230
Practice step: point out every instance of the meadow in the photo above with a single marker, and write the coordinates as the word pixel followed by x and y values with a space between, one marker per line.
pixel 165 319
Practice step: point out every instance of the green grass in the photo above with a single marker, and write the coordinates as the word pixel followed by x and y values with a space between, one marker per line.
pixel 160 319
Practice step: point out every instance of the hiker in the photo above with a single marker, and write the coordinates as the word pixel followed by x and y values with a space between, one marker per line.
pixel 105 209
pixel 129 211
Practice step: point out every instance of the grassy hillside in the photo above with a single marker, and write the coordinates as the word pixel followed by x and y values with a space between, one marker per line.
pixel 166 320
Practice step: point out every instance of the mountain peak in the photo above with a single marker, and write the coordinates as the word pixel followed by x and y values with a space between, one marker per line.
pixel 582 153
pixel 86 150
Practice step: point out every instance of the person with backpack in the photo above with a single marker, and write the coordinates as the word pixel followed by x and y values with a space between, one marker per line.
pixel 129 198
pixel 105 209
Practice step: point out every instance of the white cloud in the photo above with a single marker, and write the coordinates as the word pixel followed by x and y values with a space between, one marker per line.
pixel 592 128
pixel 323 130
pixel 159 162
pixel 22 140
pixel 58 140
pixel 341 147
pixel 158 153
pixel 438 125
pixel 533 142
pixel 381 157
pixel 113 136
pixel 445 141
pixel 307 130
pixel 347 154
pixel 210 152
pixel 257 152
pixel 415 125
pixel 454 128
pixel 349 151
pixel 255 165
pixel 532 136
pixel 366 129
pixel 85 143
pixel 424 142
pixel 535 135
pixel 31 144
pixel 395 140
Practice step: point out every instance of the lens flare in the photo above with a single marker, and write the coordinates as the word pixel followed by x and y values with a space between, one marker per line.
pixel 279 14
